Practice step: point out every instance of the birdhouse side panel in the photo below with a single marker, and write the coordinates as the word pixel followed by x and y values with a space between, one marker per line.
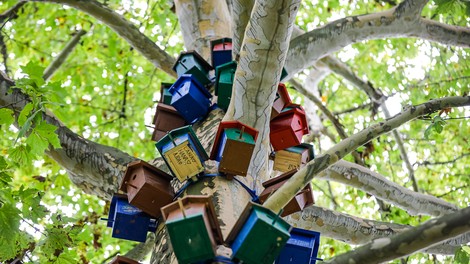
pixel 150 200
pixel 183 162
pixel 236 157
pixel 286 161
pixel 283 137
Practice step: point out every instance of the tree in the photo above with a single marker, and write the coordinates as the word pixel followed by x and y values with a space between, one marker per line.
pixel 106 60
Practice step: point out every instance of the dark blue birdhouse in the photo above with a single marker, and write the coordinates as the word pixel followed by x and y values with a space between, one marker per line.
pixel 221 51
pixel 129 222
pixel 258 235
pixel 182 152
pixel 301 248
pixel 224 75
pixel 190 98
pixel 191 62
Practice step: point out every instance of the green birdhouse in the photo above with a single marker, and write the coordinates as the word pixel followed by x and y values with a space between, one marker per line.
pixel 193 228
pixel 224 75
pixel 165 95
pixel 258 235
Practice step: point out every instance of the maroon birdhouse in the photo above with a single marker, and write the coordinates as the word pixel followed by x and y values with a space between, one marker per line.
pixel 147 187
pixel 233 147
pixel 301 200
pixel 166 119
pixel 281 101
pixel 123 260
pixel 288 127
pixel 293 157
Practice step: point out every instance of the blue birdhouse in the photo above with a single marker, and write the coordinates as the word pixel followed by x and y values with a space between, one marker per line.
pixel 182 152
pixel 221 51
pixel 258 235
pixel 224 75
pixel 129 222
pixel 301 248
pixel 192 63
pixel 190 98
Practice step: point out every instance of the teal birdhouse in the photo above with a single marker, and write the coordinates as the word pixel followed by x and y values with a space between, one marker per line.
pixel 191 62
pixel 258 235
pixel 193 228
pixel 221 51
pixel 293 157
pixel 224 75
pixel 182 152
pixel 233 147
pixel 165 95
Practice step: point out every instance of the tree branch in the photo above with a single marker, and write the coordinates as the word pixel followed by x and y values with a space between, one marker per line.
pixel 280 198
pixel 64 54
pixel 124 29
pixel 375 184
pixel 410 241
pixel 95 168
pixel 241 13
pixel 12 12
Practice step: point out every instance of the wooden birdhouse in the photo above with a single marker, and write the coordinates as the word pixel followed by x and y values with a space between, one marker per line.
pixel 129 222
pixel 233 147
pixel 293 157
pixel 258 236
pixel 302 247
pixel 224 75
pixel 183 153
pixel 288 127
pixel 281 101
pixel 123 260
pixel 190 98
pixel 221 51
pixel 166 119
pixel 147 187
pixel 301 200
pixel 193 228
pixel 165 95
pixel 191 62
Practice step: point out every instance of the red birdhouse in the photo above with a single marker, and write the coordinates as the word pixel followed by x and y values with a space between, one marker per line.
pixel 147 187
pixel 281 101
pixel 123 260
pixel 288 127
pixel 301 200
pixel 166 119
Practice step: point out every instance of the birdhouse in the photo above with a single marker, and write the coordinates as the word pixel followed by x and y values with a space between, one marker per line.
pixel 258 236
pixel 193 228
pixel 301 200
pixel 283 74
pixel 293 157
pixel 166 119
pixel 302 247
pixel 182 152
pixel 190 98
pixel 147 187
pixel 123 260
pixel 191 62
pixel 221 51
pixel 288 127
pixel 224 75
pixel 281 101
pixel 129 222
pixel 165 95
pixel 233 146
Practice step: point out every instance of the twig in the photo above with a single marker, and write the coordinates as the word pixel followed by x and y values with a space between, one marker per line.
pixel 428 163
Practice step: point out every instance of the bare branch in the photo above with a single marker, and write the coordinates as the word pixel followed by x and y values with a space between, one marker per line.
pixel 279 199
pixel 60 59
pixel 124 29
pixel 431 163
pixel 241 13
pixel 12 12
pixel 410 241
pixel 411 9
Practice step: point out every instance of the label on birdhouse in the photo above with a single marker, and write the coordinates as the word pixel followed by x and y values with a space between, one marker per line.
pixel 183 161
pixel 286 161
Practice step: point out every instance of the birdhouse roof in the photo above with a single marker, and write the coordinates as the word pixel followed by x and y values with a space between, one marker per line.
pixel 178 132
pixel 123 260
pixel 209 206
pixel 295 109
pixel 222 68
pixel 219 41
pixel 140 163
pixel 307 146
pixel 231 124
pixel 283 177
pixel 196 56
pixel 164 108
pixel 193 80
pixel 282 91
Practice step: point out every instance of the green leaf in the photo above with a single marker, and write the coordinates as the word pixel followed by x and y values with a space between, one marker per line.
pixel 462 256
pixel 55 240
pixel 21 155
pixel 35 72
pixel 47 132
pixel 7 249
pixel 9 220
pixel 62 181
pixel 3 163
pixel 6 116
pixel 37 144
pixel 67 257
pixel 25 113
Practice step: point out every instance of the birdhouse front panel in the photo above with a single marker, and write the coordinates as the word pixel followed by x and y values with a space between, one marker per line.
pixel 166 119
pixel 224 82
pixel 301 200
pixel 258 236
pixel 190 98
pixel 129 222
pixel 193 228
pixel 221 51
pixel 302 247
pixel 237 148
pixel 293 157
pixel 183 161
